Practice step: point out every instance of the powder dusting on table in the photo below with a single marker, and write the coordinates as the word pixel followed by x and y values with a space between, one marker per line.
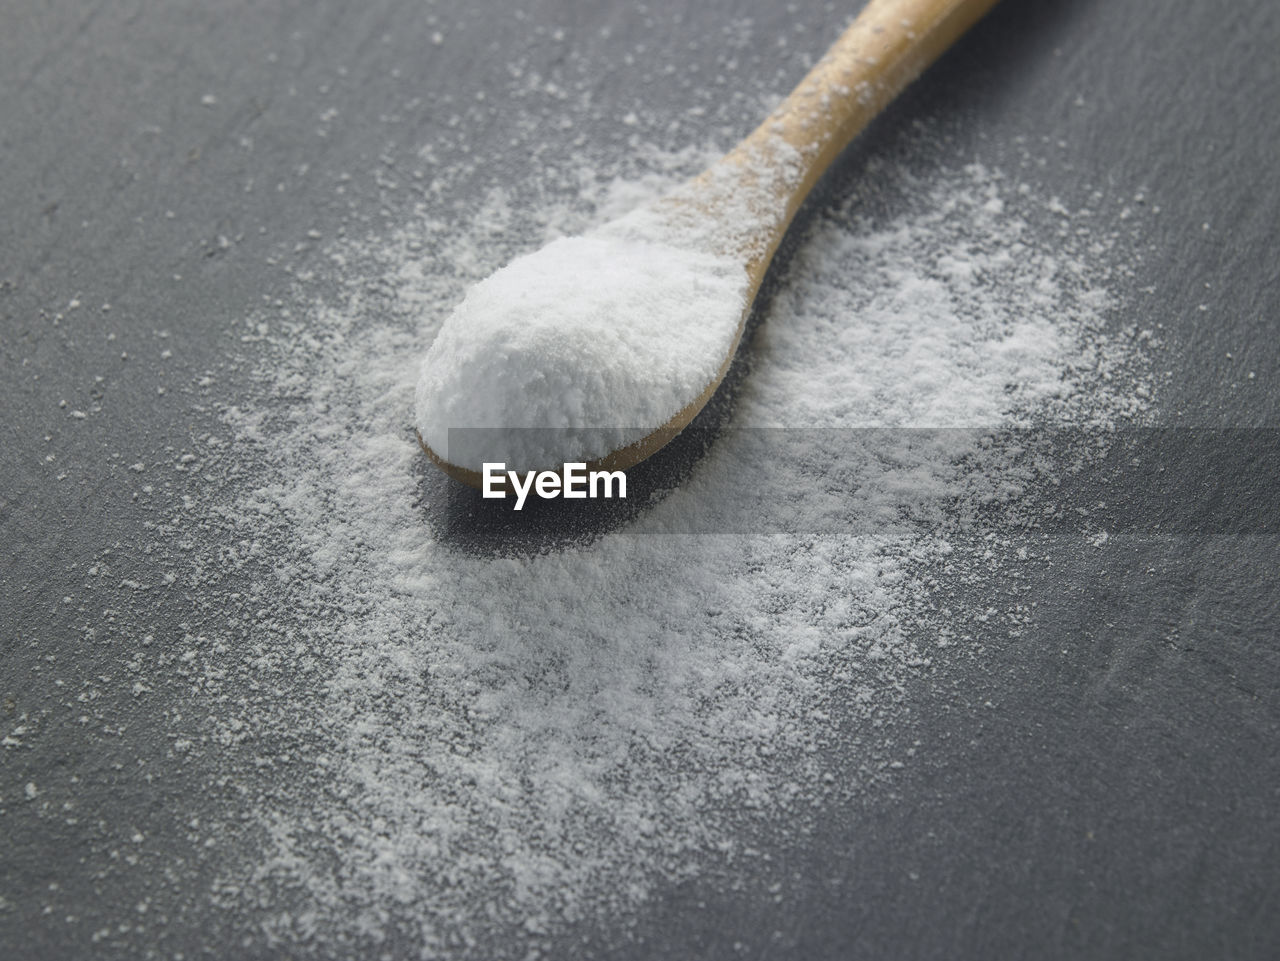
pixel 489 747
pixel 378 736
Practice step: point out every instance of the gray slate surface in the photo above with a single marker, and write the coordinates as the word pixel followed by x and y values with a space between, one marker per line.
pixel 1119 796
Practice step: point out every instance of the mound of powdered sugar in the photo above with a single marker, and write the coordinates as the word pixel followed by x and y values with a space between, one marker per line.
pixel 603 338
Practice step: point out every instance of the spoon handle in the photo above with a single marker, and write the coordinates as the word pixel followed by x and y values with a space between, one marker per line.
pixel 887 46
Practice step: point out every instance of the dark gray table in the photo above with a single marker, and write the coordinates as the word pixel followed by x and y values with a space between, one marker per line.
pixel 1119 800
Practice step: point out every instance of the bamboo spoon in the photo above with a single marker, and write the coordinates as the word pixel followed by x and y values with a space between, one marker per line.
pixel 772 171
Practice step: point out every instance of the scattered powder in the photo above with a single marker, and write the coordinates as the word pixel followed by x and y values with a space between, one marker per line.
pixel 411 741
pixel 486 746
pixel 389 738
pixel 959 313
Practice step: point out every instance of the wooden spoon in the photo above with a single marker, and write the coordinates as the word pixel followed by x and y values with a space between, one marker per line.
pixel 887 46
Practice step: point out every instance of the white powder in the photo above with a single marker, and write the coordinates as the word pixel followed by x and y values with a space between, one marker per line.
pixel 420 743
pixel 604 338
pixel 498 747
